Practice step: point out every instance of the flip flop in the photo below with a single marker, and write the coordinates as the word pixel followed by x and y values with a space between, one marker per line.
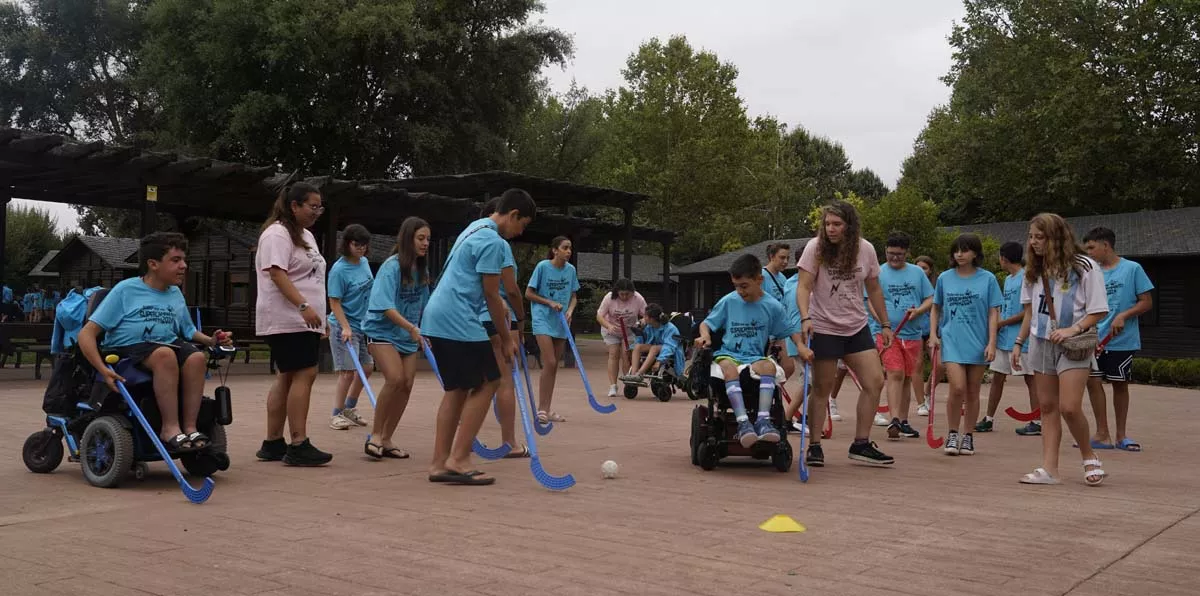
pixel 514 454
pixel 1128 444
pixel 462 478
pixel 1096 445
pixel 395 453
pixel 375 454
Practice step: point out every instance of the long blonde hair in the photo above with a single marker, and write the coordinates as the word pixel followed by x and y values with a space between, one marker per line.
pixel 1061 253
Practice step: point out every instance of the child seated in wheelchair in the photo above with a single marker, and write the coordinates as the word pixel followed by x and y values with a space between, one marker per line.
pixel 750 321
pixel 657 343
pixel 144 320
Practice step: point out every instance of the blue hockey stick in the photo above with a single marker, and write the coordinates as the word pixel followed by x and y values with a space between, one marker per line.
pixel 362 375
pixel 542 429
pixel 535 463
pixel 195 495
pixel 478 447
pixel 804 421
pixel 610 408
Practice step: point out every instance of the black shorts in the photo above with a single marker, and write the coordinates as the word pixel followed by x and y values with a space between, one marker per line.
pixel 294 351
pixel 490 327
pixel 136 353
pixel 1115 365
pixel 832 347
pixel 464 364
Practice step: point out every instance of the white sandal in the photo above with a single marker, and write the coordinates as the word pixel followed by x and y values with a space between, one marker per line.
pixel 1087 474
pixel 1039 476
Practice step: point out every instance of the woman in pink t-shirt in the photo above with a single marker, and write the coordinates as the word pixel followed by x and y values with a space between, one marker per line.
pixel 290 316
pixel 622 304
pixel 834 268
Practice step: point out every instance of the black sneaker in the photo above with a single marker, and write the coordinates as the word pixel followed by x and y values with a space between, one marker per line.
pixel 272 450
pixel 893 430
pixel 908 431
pixel 1032 429
pixel 305 454
pixel 984 426
pixel 816 456
pixel 869 453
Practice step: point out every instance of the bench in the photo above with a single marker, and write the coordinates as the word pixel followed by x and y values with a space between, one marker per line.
pixel 17 339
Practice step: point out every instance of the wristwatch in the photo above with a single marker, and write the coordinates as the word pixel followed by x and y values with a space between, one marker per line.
pixel 303 306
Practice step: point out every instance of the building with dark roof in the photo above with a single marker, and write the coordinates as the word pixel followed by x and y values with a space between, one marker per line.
pixel 702 283
pixel 94 261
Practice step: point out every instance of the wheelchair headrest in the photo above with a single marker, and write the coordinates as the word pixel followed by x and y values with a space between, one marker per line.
pixel 94 302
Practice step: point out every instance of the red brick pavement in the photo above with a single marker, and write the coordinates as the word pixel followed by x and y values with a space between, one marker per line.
pixel 932 525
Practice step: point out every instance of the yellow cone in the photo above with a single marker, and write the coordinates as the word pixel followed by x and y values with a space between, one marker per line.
pixel 781 523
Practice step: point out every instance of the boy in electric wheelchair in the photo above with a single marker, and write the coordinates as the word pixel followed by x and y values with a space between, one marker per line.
pixel 145 323
pixel 750 321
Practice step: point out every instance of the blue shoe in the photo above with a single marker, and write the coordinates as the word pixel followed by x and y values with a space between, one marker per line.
pixel 746 434
pixel 766 431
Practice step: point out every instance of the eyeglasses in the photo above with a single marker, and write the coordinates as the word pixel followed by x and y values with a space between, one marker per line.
pixel 317 208
pixel 892 255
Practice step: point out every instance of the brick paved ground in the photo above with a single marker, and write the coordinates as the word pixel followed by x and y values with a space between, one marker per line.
pixel 932 525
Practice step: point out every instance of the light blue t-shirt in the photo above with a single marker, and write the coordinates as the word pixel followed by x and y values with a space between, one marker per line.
pixel 792 311
pixel 387 294
pixel 453 309
pixel 903 289
pixel 351 284
pixel 509 261
pixel 668 336
pixel 134 313
pixel 7 295
pixel 557 285
pixel 1123 284
pixel 748 326
pixel 872 322
pixel 774 284
pixel 965 304
pixel 1007 336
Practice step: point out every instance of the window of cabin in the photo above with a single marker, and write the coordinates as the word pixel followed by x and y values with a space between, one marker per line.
pixel 239 288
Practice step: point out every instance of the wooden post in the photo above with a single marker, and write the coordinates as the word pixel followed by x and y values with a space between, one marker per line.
pixel 666 293
pixel 628 240
pixel 616 261
pixel 150 211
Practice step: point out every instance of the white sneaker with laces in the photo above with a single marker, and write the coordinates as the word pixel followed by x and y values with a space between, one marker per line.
pixel 923 409
pixel 833 411
pixel 340 422
pixel 881 420
pixel 612 390
pixel 352 415
pixel 800 427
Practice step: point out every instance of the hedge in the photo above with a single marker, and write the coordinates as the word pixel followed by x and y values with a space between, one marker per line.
pixel 1185 373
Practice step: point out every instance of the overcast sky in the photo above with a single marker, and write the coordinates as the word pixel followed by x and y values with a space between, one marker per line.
pixel 861 72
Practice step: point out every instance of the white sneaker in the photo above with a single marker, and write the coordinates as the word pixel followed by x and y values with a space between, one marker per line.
pixel 923 409
pixel 340 422
pixel 881 420
pixel 833 411
pixel 351 414
pixel 800 427
pixel 612 390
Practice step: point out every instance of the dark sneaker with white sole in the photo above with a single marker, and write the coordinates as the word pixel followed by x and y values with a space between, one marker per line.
pixel 815 457
pixel 272 450
pixel 893 430
pixel 984 426
pixel 305 454
pixel 868 453
pixel 746 435
pixel 1032 429
pixel 907 431
pixel 766 431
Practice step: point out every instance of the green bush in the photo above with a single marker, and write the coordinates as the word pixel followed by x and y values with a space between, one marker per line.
pixel 1160 371
pixel 1181 372
pixel 1187 373
pixel 1143 370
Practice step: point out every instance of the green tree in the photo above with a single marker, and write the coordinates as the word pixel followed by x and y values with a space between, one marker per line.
pixel 866 184
pixel 1074 107
pixel 28 235
pixel 559 136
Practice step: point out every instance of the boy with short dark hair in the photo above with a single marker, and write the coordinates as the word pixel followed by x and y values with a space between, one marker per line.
pixel 1012 261
pixel 145 320
pixel 470 372
pixel 751 320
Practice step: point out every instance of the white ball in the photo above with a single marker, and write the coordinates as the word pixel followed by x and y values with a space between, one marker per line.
pixel 609 469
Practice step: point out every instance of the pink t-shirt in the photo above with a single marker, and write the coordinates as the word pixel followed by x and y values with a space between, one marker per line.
pixel 836 303
pixel 615 309
pixel 305 267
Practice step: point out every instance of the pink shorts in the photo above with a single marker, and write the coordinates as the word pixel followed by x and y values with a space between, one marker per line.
pixel 903 355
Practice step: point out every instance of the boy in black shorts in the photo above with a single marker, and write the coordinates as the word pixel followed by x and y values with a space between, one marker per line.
pixel 470 371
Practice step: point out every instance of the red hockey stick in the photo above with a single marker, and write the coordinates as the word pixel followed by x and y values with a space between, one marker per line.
pixel 1037 412
pixel 938 442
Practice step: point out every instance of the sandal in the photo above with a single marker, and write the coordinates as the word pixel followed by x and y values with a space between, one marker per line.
pixel 463 478
pixel 555 417
pixel 377 454
pixel 514 454
pixel 542 418
pixel 199 440
pixel 1039 476
pixel 395 453
pixel 179 443
pixel 1097 472
pixel 1128 444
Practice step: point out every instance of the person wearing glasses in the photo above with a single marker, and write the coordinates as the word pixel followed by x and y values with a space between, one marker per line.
pixel 349 289
pixel 290 316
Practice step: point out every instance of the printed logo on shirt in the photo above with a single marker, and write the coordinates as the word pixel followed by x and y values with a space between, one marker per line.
pixel 956 303
pixel 557 285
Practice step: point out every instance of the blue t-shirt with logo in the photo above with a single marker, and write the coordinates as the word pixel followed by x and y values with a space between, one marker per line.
pixel 1123 284
pixel 350 283
pixel 748 326
pixel 453 309
pixel 387 293
pixel 774 284
pixel 668 336
pixel 134 313
pixel 509 261
pixel 7 295
pixel 965 306
pixel 1007 336
pixel 557 285
pixel 903 289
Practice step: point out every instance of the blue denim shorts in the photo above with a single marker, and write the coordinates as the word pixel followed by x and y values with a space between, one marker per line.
pixel 341 356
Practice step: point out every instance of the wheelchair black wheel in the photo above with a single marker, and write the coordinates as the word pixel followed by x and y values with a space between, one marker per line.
pixel 662 391
pixel 782 457
pixel 107 452
pixel 697 434
pixel 631 391
pixel 706 453
pixel 203 464
pixel 42 451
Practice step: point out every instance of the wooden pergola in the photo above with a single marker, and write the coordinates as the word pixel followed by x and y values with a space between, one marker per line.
pixel 51 167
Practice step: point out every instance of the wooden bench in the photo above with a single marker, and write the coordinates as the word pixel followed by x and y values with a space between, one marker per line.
pixel 17 339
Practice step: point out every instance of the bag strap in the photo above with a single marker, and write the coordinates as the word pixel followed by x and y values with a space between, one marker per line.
pixel 1046 290
pixel 454 251
pixel 772 276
